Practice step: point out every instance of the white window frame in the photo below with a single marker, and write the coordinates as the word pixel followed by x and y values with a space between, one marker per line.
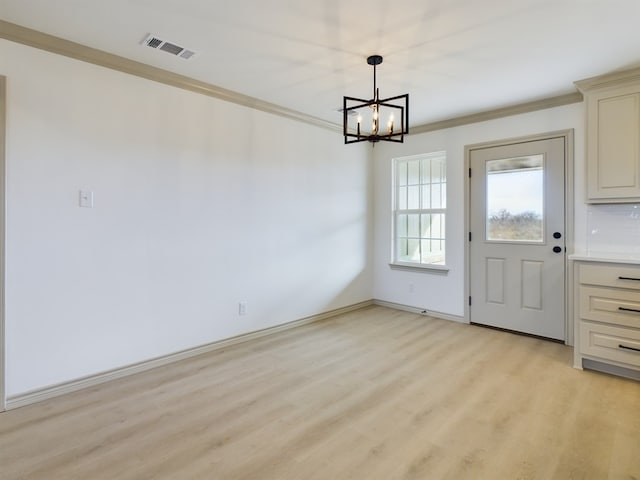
pixel 401 209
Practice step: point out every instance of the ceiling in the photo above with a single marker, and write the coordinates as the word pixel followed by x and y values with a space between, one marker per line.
pixel 453 57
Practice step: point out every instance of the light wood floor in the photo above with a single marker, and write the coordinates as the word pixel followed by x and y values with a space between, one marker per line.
pixel 373 394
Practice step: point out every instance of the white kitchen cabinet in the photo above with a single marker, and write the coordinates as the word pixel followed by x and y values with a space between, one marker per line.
pixel 607 314
pixel 613 137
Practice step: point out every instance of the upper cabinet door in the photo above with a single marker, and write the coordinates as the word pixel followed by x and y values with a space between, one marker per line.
pixel 613 139
pixel 613 156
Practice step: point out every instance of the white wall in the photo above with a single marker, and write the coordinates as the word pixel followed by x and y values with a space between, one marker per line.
pixel 444 293
pixel 198 204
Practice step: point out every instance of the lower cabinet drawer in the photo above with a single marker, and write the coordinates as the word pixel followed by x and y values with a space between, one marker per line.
pixel 609 342
pixel 610 305
pixel 617 276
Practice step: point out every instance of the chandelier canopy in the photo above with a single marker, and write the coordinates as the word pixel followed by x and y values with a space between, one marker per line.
pixel 361 119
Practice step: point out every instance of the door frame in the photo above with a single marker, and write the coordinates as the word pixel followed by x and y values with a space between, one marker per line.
pixel 567 136
pixel 3 206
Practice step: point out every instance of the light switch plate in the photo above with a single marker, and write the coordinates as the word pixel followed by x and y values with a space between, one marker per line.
pixel 242 308
pixel 86 198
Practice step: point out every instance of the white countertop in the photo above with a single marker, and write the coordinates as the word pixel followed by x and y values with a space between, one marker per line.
pixel 606 257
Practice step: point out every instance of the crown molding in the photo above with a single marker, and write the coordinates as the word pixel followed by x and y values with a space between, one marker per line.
pixel 558 101
pixel 617 78
pixel 53 44
pixel 33 38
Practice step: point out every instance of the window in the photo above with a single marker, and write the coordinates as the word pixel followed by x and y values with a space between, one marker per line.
pixel 515 193
pixel 420 205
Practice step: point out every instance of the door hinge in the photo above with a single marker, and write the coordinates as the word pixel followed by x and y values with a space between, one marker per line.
pixel 469 236
pixel 469 299
pixel 469 172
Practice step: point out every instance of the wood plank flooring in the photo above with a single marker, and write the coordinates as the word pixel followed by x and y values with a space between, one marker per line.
pixel 372 394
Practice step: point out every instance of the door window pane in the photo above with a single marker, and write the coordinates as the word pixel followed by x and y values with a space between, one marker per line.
pixel 515 199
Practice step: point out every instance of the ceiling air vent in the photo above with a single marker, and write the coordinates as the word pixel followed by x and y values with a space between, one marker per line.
pixel 159 44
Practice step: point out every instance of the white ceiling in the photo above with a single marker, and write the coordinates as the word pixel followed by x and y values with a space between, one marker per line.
pixel 453 57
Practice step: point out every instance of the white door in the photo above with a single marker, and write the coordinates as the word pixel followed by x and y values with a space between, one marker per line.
pixel 3 126
pixel 517 248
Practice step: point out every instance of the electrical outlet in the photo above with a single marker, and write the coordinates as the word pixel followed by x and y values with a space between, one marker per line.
pixel 242 308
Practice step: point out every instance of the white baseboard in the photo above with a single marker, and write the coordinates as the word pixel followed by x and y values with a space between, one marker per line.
pixel 420 311
pixel 52 391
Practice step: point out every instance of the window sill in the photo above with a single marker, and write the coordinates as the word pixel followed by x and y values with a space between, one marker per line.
pixel 442 269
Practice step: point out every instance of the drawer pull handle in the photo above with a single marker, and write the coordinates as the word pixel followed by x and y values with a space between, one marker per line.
pixel 629 348
pixel 628 310
pixel 629 278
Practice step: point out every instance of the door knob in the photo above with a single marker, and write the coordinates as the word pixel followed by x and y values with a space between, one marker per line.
pixel 557 249
pixel 557 235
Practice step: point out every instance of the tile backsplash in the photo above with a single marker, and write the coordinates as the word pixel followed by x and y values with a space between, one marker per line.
pixel 614 229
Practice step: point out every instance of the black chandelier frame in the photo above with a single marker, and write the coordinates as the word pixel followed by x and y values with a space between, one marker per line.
pixel 399 104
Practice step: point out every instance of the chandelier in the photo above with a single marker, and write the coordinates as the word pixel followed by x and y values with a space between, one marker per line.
pixel 376 119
